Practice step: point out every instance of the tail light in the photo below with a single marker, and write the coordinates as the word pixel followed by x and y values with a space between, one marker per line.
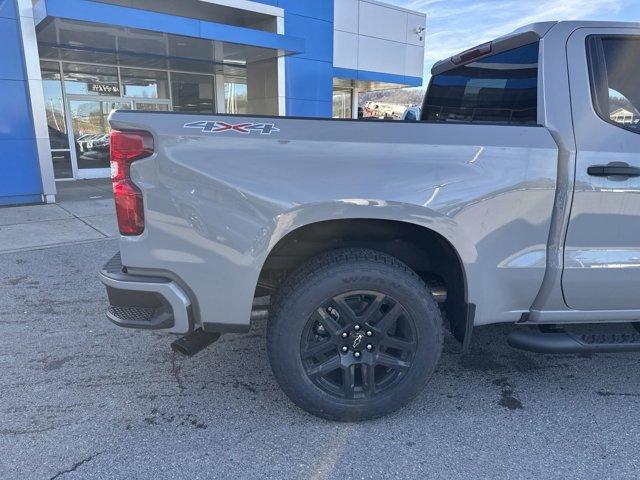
pixel 127 147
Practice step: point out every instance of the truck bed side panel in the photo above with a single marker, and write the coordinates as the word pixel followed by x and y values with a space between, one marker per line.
pixel 217 202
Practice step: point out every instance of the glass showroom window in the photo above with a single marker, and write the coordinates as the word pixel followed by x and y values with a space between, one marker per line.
pixel 193 93
pixel 342 101
pixel 98 80
pixel 91 130
pixel 54 108
pixel 144 83
pixel 235 95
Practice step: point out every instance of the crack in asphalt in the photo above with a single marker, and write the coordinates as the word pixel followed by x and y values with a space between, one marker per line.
pixel 175 371
pixel 75 466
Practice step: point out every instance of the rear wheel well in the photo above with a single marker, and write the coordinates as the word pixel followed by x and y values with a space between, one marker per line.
pixel 428 253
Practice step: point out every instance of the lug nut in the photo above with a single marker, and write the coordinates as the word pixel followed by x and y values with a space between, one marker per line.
pixel 345 349
pixel 356 328
pixel 369 346
pixel 345 334
pixel 356 354
pixel 369 333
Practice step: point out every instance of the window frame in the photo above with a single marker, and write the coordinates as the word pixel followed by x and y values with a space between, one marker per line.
pixel 596 65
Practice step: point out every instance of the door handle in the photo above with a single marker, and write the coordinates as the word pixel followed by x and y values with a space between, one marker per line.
pixel 614 169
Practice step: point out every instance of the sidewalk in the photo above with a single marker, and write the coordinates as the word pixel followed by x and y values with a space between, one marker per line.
pixel 84 212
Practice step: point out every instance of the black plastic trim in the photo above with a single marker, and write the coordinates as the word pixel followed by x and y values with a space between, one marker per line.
pixel 114 270
pixel 614 170
pixel 217 327
pixel 556 340
pixel 162 316
pixel 167 276
pixel 132 298
pixel 468 330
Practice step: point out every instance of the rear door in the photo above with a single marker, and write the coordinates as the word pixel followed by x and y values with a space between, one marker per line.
pixel 602 250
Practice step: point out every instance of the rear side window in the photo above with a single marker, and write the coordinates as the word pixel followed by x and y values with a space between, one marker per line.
pixel 500 88
pixel 614 66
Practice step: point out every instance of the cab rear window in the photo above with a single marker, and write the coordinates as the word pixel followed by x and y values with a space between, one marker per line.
pixel 500 88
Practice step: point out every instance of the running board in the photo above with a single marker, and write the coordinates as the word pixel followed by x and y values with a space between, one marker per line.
pixel 559 341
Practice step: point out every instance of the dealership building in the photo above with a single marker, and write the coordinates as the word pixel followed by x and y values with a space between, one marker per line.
pixel 65 64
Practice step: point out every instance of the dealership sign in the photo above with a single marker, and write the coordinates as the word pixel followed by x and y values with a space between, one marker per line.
pixel 105 88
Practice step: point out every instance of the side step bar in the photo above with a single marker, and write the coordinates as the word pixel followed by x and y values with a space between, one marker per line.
pixel 557 340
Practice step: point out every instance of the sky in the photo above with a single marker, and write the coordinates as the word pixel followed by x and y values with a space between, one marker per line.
pixel 455 25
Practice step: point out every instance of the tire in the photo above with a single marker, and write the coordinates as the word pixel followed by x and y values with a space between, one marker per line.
pixel 370 304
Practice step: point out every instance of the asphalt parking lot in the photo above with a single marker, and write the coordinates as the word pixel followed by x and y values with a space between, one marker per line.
pixel 81 398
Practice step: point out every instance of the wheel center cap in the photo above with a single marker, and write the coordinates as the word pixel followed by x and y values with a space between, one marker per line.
pixel 356 339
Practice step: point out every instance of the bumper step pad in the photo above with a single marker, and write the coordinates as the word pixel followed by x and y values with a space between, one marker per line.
pixel 132 314
pixel 145 302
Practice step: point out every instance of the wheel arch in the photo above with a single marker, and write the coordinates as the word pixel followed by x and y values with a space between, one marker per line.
pixel 425 248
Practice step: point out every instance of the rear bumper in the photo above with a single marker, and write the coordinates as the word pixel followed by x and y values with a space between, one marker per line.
pixel 151 303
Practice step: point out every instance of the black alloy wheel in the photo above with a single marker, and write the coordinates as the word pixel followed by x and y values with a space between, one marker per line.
pixel 358 344
pixel 353 334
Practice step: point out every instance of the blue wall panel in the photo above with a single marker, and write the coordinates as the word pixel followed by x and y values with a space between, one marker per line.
pixel 15 117
pixel 11 66
pixel 318 35
pixel 309 75
pixel 320 9
pixel 309 108
pixel 309 79
pixel 8 9
pixel 20 180
pixel 368 76
pixel 19 167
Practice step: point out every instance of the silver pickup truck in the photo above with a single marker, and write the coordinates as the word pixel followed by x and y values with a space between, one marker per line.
pixel 515 199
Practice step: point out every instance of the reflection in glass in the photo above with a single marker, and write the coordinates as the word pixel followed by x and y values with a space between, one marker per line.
pixel 342 101
pixel 80 79
pixel 613 62
pixel 62 165
pixel 91 130
pixel 235 95
pixel 54 105
pixel 151 107
pixel 192 93
pixel 144 83
pixel 500 88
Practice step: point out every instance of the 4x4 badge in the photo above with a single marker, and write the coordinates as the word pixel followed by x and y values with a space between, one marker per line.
pixel 217 126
